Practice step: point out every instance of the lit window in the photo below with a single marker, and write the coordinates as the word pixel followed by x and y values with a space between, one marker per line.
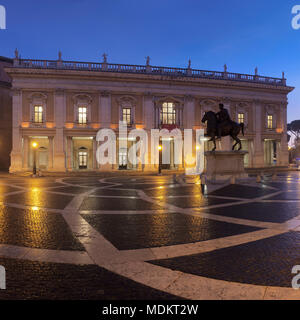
pixel 168 113
pixel 127 115
pixel 270 122
pixel 241 118
pixel 38 114
pixel 82 115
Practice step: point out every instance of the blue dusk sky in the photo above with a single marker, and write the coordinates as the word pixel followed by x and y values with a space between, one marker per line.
pixel 242 34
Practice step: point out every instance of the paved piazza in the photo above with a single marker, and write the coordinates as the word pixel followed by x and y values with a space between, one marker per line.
pixel 149 237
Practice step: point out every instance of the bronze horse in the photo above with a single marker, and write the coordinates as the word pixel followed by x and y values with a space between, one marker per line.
pixel 232 129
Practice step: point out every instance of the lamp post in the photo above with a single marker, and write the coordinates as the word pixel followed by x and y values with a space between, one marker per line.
pixel 159 158
pixel 34 146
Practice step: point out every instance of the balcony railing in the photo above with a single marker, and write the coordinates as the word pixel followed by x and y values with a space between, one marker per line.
pixel 152 70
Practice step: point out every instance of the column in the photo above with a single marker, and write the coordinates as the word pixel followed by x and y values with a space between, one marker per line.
pixel 105 109
pixel 50 154
pixel 278 153
pixel 172 166
pixel 258 155
pixel 95 145
pixel 151 120
pixel 69 153
pixel 59 151
pixel 148 108
pixel 16 153
pixel 226 142
pixel 284 152
pixel 25 152
pixel 189 113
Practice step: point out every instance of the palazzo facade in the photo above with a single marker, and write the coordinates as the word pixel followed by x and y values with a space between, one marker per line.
pixel 61 105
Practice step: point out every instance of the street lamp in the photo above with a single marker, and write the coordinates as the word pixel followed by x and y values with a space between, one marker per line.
pixel 34 146
pixel 159 159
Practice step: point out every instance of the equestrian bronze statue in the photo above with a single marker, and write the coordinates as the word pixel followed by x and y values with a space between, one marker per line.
pixel 220 125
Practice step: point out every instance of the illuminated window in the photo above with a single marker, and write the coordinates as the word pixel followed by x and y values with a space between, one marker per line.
pixel 38 114
pixel 82 115
pixel 241 118
pixel 168 113
pixel 126 115
pixel 270 122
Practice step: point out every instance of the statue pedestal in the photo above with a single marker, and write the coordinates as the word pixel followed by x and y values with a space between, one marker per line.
pixel 224 165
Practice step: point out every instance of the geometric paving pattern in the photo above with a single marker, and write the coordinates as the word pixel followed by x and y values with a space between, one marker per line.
pixel 165 229
pixel 254 262
pixel 148 237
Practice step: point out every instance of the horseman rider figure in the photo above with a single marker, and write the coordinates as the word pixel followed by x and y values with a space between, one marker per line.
pixel 220 124
pixel 223 119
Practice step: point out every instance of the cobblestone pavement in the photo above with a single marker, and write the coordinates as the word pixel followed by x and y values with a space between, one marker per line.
pixel 149 237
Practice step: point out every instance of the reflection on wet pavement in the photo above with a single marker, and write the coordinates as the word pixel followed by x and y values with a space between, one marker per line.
pixel 36 228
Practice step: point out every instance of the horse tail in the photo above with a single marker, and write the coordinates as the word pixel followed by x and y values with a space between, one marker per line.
pixel 242 126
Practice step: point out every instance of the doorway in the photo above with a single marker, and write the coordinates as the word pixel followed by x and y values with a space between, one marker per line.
pixel 123 159
pixel 83 158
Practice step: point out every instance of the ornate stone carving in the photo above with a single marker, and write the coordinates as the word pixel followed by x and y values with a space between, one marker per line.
pixel 82 97
pixel 127 99
pixel 59 92
pixel 210 103
pixel 169 99
pixel 105 93
pixel 37 96
pixel 188 98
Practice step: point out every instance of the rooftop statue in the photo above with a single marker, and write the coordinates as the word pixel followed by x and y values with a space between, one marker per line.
pixel 220 125
pixel 16 54
pixel 147 61
pixel 104 58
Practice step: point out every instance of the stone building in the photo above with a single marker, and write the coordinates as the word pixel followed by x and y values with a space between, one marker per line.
pixel 61 105
pixel 5 115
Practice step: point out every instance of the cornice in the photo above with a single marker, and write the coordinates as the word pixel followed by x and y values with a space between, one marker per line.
pixel 112 76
